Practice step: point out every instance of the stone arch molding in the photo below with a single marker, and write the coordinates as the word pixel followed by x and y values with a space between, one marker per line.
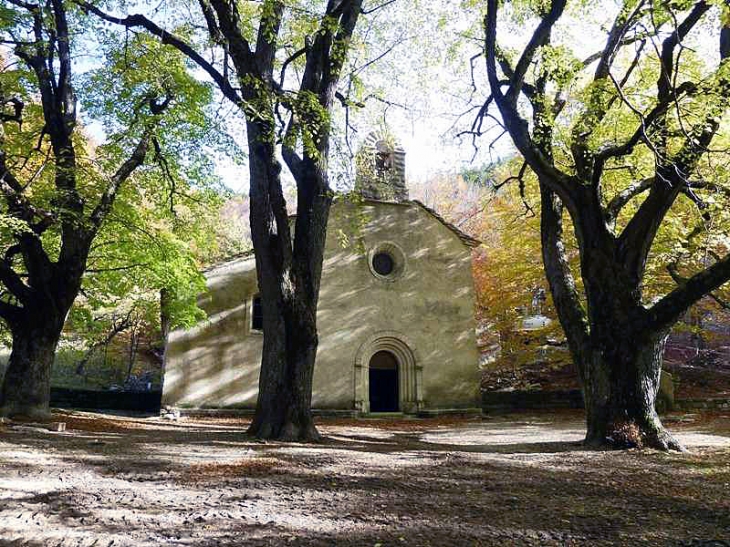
pixel 371 146
pixel 410 371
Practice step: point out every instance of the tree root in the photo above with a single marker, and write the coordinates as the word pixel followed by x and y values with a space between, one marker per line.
pixel 662 440
pixel 625 435
pixel 287 432
pixel 25 412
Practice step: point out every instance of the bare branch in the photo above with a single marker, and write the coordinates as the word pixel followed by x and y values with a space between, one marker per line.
pixel 571 312
pixel 626 41
pixel 210 20
pixel 376 8
pixel 14 283
pixel 664 84
pixel 673 271
pixel 672 174
pixel 620 200
pixel 9 312
pixel 293 57
pixel 670 308
pixel 17 115
pixel 122 174
pixel 517 126
pixel 539 38
pixel 268 34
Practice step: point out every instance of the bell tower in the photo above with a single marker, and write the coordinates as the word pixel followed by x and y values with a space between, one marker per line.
pixel 381 168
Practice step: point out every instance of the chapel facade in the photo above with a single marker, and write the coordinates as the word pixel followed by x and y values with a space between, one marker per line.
pixel 395 317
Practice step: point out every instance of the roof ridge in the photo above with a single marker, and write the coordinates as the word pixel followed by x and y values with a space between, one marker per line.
pixel 230 258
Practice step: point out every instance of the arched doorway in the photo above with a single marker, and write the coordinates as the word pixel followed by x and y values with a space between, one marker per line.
pixel 383 382
pixel 392 352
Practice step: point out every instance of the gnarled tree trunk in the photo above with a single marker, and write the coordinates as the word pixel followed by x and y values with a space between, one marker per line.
pixel 620 389
pixel 26 388
pixel 283 409
pixel 615 339
pixel 618 358
pixel 289 270
pixel 44 283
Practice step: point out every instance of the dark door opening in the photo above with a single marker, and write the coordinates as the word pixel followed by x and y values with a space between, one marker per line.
pixel 383 382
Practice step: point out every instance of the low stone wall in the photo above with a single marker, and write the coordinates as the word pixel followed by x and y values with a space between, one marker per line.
pixel 147 401
pixel 322 412
pixel 496 402
pixel 702 404
pixel 508 401
pixel 248 412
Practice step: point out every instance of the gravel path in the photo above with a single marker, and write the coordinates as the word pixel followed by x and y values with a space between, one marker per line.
pixel 517 480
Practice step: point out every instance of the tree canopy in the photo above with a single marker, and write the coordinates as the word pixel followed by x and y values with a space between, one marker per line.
pixel 90 217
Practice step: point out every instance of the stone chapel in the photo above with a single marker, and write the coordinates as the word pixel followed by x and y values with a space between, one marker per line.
pixel 395 318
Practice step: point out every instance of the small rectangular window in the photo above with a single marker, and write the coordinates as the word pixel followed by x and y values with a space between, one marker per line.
pixel 257 314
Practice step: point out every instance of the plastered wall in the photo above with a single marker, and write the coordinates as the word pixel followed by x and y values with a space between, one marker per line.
pixel 428 305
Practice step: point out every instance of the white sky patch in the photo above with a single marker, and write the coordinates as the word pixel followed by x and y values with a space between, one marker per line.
pixel 233 175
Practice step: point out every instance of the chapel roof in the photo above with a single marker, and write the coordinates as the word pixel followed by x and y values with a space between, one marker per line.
pixel 465 238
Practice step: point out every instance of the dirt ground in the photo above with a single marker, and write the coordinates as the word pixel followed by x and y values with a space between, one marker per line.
pixel 511 480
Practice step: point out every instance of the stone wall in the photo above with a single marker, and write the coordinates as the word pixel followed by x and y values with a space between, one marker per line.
pixel 428 304
pixel 497 402
pixel 148 401
pixel 215 363
pixel 715 403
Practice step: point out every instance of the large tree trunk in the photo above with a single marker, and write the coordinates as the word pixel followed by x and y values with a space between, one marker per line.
pixel 621 382
pixel 283 409
pixel 288 272
pixel 618 359
pixel 36 331
pixel 26 388
pixel 615 339
pixel 289 269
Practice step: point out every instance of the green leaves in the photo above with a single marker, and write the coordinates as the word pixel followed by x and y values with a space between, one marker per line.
pixel 559 64
pixel 311 121
pixel 13 226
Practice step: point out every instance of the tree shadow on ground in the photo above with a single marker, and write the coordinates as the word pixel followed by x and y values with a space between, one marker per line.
pixel 413 442
pixel 207 485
